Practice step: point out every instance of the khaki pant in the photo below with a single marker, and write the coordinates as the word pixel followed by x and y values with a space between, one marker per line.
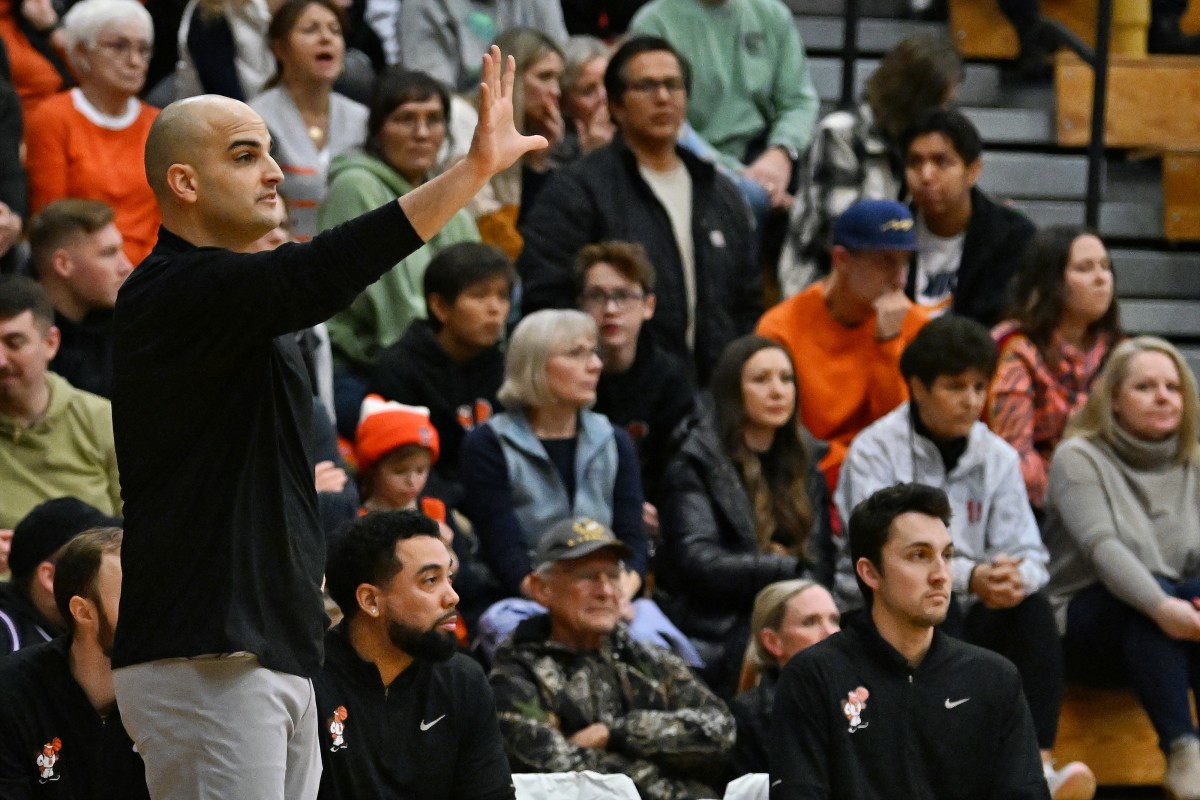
pixel 220 728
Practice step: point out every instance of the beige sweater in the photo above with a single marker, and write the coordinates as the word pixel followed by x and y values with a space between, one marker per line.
pixel 1120 513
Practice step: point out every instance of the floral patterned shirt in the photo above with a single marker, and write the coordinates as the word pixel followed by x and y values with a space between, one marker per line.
pixel 1030 399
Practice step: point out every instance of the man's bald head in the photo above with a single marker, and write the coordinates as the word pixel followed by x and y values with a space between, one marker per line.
pixel 208 161
pixel 180 132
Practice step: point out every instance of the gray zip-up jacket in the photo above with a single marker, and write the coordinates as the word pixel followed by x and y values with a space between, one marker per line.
pixel 987 495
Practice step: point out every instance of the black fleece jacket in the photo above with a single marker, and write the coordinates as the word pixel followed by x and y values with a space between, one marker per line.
pixel 955 727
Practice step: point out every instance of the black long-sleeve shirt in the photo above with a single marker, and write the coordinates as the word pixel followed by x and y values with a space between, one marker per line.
pixel 432 733
pixel 212 409
pixel 41 702
pixel 955 727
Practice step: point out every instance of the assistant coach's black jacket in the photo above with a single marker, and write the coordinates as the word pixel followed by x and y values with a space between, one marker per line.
pixel 431 734
pixel 45 713
pixel 957 726
pixel 212 413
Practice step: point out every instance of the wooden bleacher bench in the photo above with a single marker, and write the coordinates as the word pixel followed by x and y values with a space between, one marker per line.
pixel 1153 105
pixel 980 30
pixel 1153 102
pixel 1108 730
pixel 1191 18
pixel 1181 194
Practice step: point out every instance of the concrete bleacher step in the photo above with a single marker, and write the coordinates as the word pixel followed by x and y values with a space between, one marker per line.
pixel 1192 356
pixel 1119 219
pixel 876 36
pixel 1169 318
pixel 1157 275
pixel 1013 126
pixel 1040 176
pixel 980 86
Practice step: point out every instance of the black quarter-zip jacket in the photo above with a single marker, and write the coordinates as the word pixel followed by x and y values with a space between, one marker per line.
pixel 212 415
pixel 431 734
pixel 40 702
pixel 957 726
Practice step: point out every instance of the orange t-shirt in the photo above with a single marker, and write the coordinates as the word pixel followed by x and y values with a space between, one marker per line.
pixel 846 378
pixel 69 155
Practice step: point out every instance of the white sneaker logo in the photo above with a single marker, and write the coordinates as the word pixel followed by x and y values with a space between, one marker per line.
pixel 955 703
pixel 427 725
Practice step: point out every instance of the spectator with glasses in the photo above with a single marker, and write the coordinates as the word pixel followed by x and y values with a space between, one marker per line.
pixel 643 388
pixel 642 187
pixel 78 141
pixel 406 127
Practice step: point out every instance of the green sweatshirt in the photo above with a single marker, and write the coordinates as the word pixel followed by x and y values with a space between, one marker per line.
pixel 69 452
pixel 380 315
pixel 749 71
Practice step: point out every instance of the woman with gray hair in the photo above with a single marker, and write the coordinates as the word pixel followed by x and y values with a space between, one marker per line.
pixel 88 143
pixel 586 121
pixel 1123 531
pixel 788 617
pixel 548 457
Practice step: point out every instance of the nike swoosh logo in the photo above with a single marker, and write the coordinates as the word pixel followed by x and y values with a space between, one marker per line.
pixel 427 725
pixel 954 704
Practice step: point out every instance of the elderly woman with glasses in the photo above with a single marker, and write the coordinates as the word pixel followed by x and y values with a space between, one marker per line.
pixel 548 457
pixel 89 142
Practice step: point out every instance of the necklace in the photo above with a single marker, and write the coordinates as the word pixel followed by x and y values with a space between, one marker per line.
pixel 316 134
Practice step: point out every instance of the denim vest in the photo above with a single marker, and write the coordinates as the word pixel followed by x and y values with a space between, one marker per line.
pixel 539 496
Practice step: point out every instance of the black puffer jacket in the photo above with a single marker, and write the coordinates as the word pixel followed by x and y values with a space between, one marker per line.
pixel 603 196
pixel 709 567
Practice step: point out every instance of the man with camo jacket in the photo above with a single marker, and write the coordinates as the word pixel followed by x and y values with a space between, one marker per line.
pixel 575 692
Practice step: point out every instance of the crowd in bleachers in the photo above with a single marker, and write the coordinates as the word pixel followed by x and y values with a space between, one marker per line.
pixel 639 384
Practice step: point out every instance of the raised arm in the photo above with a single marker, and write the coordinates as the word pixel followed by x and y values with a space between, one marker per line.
pixel 496 145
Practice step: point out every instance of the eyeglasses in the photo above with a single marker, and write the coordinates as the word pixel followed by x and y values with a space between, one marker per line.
pixel 599 299
pixel 411 122
pixel 122 48
pixel 652 85
pixel 595 575
pixel 580 352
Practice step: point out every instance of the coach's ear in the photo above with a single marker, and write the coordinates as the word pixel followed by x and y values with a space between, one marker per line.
pixel 368 598
pixel 181 180
pixel 868 572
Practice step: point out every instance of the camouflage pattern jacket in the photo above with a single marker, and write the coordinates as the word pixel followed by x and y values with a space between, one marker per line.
pixel 667 731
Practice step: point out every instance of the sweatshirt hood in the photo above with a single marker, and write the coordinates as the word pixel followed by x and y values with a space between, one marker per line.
pixel 346 162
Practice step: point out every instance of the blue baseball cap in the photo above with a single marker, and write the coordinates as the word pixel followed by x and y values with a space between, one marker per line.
pixel 875 225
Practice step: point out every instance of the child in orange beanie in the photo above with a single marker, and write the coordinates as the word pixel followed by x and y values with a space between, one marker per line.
pixel 395 447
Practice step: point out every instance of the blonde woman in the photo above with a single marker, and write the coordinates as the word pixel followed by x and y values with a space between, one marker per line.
pixel 1123 530
pixel 788 616
pixel 536 95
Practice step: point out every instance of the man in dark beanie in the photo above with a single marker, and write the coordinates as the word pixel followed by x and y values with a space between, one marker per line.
pixel 27 611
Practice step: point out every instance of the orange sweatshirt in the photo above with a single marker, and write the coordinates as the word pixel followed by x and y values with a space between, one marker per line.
pixel 846 379
pixel 69 155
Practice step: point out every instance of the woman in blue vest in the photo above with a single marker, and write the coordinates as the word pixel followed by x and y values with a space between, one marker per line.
pixel 548 457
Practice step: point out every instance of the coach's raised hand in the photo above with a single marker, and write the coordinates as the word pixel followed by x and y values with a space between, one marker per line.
pixel 496 145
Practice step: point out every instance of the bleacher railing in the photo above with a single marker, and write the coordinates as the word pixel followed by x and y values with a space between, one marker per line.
pixel 1099 65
